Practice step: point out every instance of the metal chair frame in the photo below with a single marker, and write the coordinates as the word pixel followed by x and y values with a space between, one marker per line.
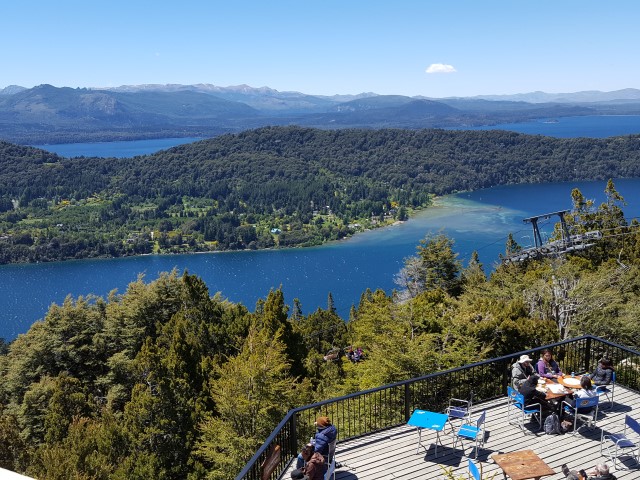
pixel 458 409
pixel 472 432
pixel 603 390
pixel 587 418
pixel 516 400
pixel 629 438
pixel 330 461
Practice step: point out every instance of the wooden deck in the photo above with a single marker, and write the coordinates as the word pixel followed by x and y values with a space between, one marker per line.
pixel 392 454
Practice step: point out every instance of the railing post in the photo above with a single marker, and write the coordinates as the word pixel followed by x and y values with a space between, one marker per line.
pixel 407 402
pixel 293 440
pixel 587 355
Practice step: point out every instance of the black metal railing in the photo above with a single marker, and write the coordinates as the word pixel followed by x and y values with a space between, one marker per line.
pixel 389 406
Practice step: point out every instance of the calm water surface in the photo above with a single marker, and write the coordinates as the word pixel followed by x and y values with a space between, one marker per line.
pixel 124 149
pixel 478 220
pixel 593 126
pixel 588 126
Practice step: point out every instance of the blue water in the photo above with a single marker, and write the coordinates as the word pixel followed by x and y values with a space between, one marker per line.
pixel 564 127
pixel 479 221
pixel 593 126
pixel 124 149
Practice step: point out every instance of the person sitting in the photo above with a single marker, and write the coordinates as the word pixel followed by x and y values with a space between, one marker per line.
pixel 599 472
pixel 587 390
pixel 520 371
pixel 350 353
pixel 603 373
pixel 531 394
pixel 313 467
pixel 547 367
pixel 357 356
pixel 324 436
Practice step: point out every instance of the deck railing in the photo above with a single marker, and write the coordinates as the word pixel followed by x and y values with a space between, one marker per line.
pixel 388 406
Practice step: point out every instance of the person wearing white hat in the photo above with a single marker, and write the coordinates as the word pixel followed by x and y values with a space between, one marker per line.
pixel 520 371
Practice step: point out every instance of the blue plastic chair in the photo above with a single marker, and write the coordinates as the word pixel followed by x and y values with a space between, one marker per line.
pixel 472 431
pixel 607 390
pixel 474 473
pixel 524 413
pixel 622 442
pixel 588 415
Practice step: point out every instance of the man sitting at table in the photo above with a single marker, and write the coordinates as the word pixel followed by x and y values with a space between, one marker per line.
pixel 531 394
pixel 520 371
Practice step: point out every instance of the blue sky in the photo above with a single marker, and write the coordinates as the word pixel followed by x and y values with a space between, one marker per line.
pixel 432 48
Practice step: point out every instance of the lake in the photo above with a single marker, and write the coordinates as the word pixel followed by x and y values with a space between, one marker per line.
pixel 478 220
pixel 564 127
pixel 123 149
pixel 596 126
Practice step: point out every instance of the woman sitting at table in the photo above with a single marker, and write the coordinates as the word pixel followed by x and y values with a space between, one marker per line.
pixel 547 367
pixel 587 390
pixel 603 373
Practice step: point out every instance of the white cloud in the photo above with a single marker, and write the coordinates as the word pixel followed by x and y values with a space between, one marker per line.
pixel 440 68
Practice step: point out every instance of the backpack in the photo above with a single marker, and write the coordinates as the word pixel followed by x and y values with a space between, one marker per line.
pixel 552 425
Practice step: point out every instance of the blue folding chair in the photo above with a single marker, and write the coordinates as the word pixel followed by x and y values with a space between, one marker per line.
pixel 585 410
pixel 607 390
pixel 474 473
pixel 472 431
pixel 515 402
pixel 621 443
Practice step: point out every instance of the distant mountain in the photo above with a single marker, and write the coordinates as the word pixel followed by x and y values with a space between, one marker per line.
pixel 264 98
pixel 47 114
pixel 11 89
pixel 578 97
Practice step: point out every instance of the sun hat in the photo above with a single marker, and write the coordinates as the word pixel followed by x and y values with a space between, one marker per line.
pixel 524 358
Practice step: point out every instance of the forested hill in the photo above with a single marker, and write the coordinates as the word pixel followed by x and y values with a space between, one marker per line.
pixel 271 186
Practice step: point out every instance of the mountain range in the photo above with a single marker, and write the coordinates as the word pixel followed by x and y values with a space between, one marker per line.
pixel 48 114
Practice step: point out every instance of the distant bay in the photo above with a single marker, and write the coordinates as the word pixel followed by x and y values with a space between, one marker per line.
pixel 123 149
pixel 591 126
pixel 594 126
pixel 479 220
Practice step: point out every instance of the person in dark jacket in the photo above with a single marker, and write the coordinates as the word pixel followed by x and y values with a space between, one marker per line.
pixel 325 434
pixel 603 373
pixel 314 466
pixel 532 395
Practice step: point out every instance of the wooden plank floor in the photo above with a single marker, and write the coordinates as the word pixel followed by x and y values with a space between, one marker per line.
pixel 392 454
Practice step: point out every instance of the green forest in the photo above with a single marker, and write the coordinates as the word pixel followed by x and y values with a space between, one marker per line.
pixel 268 188
pixel 165 381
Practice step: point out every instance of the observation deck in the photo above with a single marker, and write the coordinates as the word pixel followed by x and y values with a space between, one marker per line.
pixel 375 442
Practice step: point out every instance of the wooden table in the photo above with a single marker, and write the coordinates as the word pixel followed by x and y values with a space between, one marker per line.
pixel 570 382
pixel 551 395
pixel 522 465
